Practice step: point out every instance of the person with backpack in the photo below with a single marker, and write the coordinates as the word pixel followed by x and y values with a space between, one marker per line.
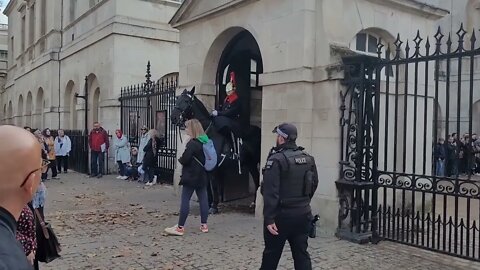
pixel 196 159
pixel 150 160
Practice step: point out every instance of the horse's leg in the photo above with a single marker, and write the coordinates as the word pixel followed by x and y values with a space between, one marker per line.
pixel 214 188
pixel 209 189
pixel 253 169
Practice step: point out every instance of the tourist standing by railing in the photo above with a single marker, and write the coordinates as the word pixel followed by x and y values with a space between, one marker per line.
pixel 151 157
pixel 99 144
pixel 50 147
pixel 63 146
pixel 39 136
pixel 122 153
pixel 440 156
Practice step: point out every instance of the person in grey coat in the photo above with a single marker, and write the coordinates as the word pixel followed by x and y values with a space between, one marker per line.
pixel 63 146
pixel 143 142
pixel 122 153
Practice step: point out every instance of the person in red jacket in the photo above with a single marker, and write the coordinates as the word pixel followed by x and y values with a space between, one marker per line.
pixel 98 141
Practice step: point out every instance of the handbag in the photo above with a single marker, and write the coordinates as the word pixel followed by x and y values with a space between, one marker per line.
pixel 48 247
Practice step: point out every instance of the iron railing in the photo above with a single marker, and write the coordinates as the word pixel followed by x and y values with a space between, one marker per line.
pixel 396 182
pixel 150 104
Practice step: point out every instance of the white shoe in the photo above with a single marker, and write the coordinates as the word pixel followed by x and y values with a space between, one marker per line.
pixel 175 231
pixel 154 181
pixel 119 177
pixel 149 184
pixel 124 178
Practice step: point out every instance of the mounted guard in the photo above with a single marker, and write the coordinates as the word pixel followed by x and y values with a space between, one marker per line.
pixel 227 120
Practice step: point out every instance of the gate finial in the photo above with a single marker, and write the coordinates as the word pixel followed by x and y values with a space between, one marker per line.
pixel 148 75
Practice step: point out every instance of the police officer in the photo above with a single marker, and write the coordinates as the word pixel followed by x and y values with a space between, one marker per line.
pixel 289 182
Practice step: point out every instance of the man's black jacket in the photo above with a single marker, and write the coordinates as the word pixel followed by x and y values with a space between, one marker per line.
pixel 12 256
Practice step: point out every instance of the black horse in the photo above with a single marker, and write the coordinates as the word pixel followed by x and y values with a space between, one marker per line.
pixel 187 107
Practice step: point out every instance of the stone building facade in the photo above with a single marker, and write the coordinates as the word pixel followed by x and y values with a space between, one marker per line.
pixel 54 45
pixel 295 49
pixel 3 59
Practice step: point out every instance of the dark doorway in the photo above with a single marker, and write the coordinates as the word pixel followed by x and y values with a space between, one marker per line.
pixel 241 55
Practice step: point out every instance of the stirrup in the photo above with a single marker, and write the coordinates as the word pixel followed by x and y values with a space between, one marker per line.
pixel 222 159
pixel 236 150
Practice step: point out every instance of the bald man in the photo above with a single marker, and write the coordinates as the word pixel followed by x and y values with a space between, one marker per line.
pixel 20 171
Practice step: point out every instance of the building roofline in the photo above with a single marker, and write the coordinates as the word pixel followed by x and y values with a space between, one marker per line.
pixel 417 6
pixel 176 20
pixel 9 6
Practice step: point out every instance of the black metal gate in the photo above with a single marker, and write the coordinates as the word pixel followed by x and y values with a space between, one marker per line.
pixel 150 104
pixel 396 182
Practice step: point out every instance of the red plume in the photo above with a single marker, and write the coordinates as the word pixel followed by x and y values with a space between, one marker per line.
pixel 232 78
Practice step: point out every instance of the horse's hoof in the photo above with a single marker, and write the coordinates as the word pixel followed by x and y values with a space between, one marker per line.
pixel 213 211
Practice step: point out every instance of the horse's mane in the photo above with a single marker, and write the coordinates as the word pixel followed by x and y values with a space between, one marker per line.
pixel 200 112
pixel 200 106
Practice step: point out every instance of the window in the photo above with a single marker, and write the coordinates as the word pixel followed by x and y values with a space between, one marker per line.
pixel 43 24
pixel 94 2
pixel 12 50
pixel 73 7
pixel 32 24
pixel 23 34
pixel 3 54
pixel 366 43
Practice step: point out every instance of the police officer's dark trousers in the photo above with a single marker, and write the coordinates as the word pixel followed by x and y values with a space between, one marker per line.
pixel 295 231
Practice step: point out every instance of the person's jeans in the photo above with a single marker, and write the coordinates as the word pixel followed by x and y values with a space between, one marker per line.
pixel 213 190
pixel 97 159
pixel 53 166
pixel 453 167
pixel 149 173
pixel 131 172
pixel 62 161
pixel 295 230
pixel 440 167
pixel 187 193
pixel 121 168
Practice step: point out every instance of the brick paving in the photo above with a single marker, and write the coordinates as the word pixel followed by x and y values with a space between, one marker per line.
pixel 114 224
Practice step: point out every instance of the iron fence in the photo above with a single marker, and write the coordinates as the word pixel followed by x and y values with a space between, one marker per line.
pixel 150 104
pixel 399 180
pixel 79 155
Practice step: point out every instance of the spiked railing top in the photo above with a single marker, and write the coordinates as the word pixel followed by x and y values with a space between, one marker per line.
pixel 455 44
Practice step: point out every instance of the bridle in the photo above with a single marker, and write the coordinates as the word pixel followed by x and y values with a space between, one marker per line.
pixel 183 113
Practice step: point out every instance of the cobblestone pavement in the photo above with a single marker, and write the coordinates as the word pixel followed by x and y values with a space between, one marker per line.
pixel 114 224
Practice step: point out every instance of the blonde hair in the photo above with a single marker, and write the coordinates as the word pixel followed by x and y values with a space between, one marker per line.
pixel 195 128
pixel 153 133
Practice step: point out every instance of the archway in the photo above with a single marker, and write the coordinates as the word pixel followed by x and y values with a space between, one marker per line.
pixel 94 99
pixel 39 107
pixel 95 105
pixel 19 114
pixel 4 116
pixel 473 16
pixel 241 55
pixel 28 110
pixel 10 113
pixel 69 106
pixel 476 117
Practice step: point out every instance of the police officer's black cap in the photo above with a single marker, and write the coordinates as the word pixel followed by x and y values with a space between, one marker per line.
pixel 287 131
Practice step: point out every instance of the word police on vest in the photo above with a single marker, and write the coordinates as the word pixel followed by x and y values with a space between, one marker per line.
pixel 301 160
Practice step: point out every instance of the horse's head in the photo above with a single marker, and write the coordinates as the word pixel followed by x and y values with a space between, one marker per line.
pixel 183 107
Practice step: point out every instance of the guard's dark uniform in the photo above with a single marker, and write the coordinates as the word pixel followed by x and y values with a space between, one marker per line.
pixel 289 182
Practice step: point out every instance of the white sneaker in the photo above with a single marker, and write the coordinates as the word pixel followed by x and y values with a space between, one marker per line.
pixel 124 178
pixel 149 184
pixel 154 181
pixel 119 177
pixel 175 230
